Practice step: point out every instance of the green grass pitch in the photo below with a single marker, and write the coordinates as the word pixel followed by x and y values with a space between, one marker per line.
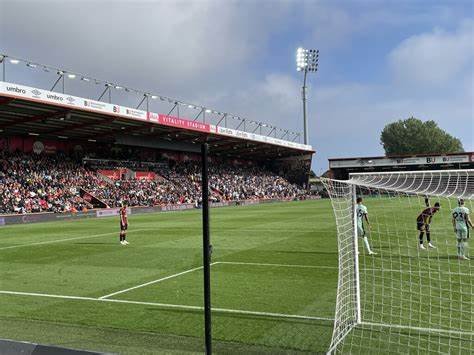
pixel 271 262
pixel 83 259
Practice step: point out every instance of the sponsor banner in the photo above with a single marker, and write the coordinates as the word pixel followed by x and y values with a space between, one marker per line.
pixel 104 107
pixel 134 113
pixel 109 212
pixel 70 101
pixel 426 160
pixel 222 204
pixel 184 206
pixel 256 137
pixel 248 202
pixel 2 221
pixel 178 122
pixel 39 94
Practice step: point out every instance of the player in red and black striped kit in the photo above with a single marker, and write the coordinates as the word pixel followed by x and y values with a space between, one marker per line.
pixel 123 224
pixel 423 222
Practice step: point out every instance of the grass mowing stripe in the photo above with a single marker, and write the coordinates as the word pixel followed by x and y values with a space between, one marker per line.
pixel 336 267
pixel 276 265
pixel 67 239
pixel 168 305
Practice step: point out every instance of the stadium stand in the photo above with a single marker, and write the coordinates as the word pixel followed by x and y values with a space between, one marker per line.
pixel 32 183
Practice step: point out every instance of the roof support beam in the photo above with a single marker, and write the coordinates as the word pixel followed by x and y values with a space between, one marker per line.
pixel 78 126
pixel 43 116
pixel 5 100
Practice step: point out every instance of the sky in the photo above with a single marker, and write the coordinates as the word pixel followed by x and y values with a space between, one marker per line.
pixel 380 61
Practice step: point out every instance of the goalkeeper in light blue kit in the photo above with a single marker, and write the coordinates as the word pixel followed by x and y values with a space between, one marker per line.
pixel 361 212
pixel 461 223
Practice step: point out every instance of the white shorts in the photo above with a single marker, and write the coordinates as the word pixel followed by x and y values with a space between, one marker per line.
pixel 461 234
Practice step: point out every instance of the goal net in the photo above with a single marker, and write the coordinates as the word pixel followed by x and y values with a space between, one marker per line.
pixel 411 295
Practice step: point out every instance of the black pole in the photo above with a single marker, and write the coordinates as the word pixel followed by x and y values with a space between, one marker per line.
pixel 206 249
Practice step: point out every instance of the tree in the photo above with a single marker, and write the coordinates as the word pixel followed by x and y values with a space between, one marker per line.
pixel 413 136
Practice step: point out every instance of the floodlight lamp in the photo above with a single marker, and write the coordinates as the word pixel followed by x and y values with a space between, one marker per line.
pixel 71 76
pixel 154 97
pixel 14 61
pixel 190 106
pixel 118 87
pixel 208 111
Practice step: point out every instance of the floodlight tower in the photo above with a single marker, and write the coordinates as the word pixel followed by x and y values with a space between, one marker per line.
pixel 306 61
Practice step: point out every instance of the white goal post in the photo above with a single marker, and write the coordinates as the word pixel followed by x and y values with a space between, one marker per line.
pixel 415 293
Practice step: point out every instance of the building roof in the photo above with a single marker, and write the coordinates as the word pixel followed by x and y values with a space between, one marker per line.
pixel 30 111
pixel 402 160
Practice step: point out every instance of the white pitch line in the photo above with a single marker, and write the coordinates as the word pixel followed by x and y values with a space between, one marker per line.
pixel 66 239
pixel 420 329
pixel 168 305
pixel 152 282
pixel 48 295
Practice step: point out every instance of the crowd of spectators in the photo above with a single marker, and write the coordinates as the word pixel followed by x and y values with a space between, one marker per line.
pixel 52 183
pixel 39 183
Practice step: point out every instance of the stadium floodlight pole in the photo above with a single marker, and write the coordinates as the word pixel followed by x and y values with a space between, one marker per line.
pixel 3 61
pixel 60 78
pixel 207 248
pixel 306 61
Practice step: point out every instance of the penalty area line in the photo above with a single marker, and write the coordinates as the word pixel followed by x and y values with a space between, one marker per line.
pixel 419 329
pixel 151 282
pixel 171 306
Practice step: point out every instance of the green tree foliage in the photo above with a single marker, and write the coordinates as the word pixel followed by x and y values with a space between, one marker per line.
pixel 413 136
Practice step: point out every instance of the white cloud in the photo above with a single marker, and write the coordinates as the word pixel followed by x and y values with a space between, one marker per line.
pixel 274 99
pixel 174 47
pixel 434 59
